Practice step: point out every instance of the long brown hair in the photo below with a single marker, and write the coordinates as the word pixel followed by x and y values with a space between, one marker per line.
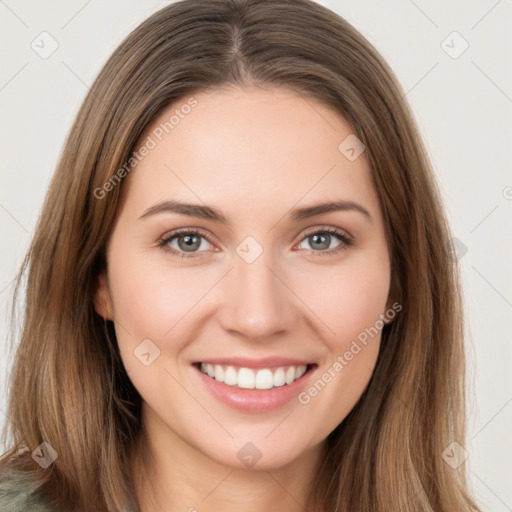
pixel 69 387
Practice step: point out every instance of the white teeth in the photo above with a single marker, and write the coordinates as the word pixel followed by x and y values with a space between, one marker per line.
pixel 301 370
pixel 290 375
pixel 219 373
pixel 279 379
pixel 230 377
pixel 264 379
pixel 247 378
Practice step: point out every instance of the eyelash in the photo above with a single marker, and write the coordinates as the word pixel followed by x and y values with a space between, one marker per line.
pixel 345 239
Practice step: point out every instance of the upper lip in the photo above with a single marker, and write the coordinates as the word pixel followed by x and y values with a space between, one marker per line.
pixel 246 362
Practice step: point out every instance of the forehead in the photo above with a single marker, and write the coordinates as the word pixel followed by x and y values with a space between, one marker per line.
pixel 250 148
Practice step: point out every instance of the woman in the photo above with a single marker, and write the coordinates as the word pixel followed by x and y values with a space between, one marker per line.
pixel 187 344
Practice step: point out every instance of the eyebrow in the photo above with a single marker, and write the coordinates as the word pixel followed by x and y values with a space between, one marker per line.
pixel 211 213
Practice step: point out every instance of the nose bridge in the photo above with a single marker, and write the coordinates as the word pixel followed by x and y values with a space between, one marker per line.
pixel 256 303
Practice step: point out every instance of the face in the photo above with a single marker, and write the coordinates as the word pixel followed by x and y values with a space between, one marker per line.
pixel 249 321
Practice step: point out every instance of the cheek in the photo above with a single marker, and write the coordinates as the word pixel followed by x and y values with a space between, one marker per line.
pixel 155 302
pixel 151 299
pixel 351 305
pixel 353 313
pixel 349 299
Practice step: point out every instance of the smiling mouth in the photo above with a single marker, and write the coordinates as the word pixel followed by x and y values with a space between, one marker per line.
pixel 261 378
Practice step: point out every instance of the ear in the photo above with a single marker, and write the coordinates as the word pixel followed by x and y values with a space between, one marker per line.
pixel 102 299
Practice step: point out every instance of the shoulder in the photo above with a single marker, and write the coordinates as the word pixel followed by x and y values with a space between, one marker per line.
pixel 19 493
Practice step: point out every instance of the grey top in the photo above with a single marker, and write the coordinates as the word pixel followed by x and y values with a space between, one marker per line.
pixel 18 493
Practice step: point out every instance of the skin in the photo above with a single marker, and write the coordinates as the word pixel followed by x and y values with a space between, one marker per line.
pixel 254 154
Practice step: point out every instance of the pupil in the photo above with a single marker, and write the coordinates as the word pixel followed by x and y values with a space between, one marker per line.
pixel 325 244
pixel 189 242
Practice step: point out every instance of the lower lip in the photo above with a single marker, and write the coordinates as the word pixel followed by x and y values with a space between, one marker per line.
pixel 255 400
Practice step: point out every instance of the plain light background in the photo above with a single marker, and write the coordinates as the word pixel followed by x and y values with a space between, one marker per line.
pixel 462 99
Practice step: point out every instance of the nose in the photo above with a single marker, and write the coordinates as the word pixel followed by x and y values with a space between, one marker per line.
pixel 257 303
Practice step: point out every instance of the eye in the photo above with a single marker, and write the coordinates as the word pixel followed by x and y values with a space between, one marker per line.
pixel 188 242
pixel 321 239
